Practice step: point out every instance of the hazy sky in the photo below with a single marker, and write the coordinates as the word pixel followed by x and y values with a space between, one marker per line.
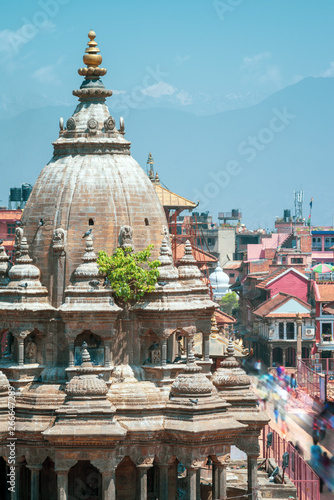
pixel 202 56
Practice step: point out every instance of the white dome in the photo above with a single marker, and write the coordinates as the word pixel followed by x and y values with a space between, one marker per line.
pixel 220 282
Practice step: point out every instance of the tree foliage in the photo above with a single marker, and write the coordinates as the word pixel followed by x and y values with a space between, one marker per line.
pixel 230 303
pixel 131 274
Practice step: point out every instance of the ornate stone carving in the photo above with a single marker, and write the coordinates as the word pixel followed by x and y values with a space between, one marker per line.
pixel 31 352
pixel 18 238
pixel 145 461
pixel 92 124
pixel 70 124
pixel 126 237
pixel 86 385
pixel 109 124
pixel 58 240
pixel 223 459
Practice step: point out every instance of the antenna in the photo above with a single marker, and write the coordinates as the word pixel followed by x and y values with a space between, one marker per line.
pixel 298 198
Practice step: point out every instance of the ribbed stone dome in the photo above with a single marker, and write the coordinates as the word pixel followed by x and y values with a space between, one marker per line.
pixel 86 385
pixel 91 179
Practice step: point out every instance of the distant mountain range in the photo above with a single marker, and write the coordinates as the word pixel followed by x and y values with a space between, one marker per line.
pixel 251 158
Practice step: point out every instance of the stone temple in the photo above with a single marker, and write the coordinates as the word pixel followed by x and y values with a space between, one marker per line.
pixel 110 401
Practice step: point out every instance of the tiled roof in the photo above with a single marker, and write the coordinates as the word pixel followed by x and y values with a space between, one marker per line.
pixel 223 318
pixel 273 303
pixel 271 276
pixel 171 200
pixel 326 291
pixel 10 215
pixel 198 254
pixel 232 264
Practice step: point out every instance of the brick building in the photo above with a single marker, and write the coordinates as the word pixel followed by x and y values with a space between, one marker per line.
pixel 8 219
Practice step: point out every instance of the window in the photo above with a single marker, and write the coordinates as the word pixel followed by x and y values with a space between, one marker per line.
pixel 326 332
pixel 281 331
pixel 11 229
pixel 91 222
pixel 296 260
pixel 290 331
pixel 316 244
pixel 327 243
pixel 232 275
pixel 283 260
pixel 147 222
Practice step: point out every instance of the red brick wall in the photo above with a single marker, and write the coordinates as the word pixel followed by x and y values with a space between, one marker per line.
pixel 305 242
pixel 258 266
pixel 292 284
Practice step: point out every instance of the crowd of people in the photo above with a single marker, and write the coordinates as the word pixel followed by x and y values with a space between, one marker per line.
pixel 278 387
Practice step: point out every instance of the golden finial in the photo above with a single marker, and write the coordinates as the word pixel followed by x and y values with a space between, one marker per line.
pixel 92 58
pixel 214 328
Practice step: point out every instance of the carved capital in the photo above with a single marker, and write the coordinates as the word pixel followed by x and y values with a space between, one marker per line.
pixel 144 461
pixel 223 460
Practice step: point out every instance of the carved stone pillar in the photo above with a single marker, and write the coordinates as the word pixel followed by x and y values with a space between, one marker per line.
pixel 71 354
pixel 284 356
pixel 206 346
pixel 219 476
pixel 16 494
pixel 143 464
pixel 164 352
pixel 163 481
pixel 108 484
pixel 215 482
pixel 252 476
pixel 271 356
pixel 107 357
pixel 62 484
pixel 21 351
pixel 284 329
pixel 34 485
pixel 192 483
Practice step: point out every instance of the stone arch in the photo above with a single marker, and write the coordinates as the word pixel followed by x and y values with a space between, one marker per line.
pixel 48 480
pixel 95 347
pixel 278 355
pixel 126 480
pixel 33 347
pixel 84 481
pixel 7 344
pixel 149 341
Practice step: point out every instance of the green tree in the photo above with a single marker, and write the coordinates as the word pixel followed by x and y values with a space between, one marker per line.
pixel 131 274
pixel 230 303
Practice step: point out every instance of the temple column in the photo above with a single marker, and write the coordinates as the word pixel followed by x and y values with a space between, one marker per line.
pixel 271 356
pixel 284 356
pixel 62 484
pixel 164 352
pixel 163 481
pixel 192 483
pixel 71 354
pixel 284 330
pixel 142 467
pixel 21 351
pixel 198 484
pixel 107 357
pixel 215 483
pixel 252 476
pixel 15 495
pixel 222 481
pixel 108 484
pixel 34 484
pixel 206 346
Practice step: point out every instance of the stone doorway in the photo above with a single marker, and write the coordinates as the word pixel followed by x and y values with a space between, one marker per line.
pixel 48 481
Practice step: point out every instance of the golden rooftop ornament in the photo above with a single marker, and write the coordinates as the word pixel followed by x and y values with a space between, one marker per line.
pixel 92 58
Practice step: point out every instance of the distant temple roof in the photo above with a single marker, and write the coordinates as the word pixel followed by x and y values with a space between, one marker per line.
pixel 170 200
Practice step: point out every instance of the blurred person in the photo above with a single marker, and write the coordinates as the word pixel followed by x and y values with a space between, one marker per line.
pixel 276 413
pixel 299 449
pixel 322 429
pixel 316 453
pixel 315 429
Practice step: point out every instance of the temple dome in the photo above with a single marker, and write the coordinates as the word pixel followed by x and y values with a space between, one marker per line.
pixel 219 282
pixel 91 182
